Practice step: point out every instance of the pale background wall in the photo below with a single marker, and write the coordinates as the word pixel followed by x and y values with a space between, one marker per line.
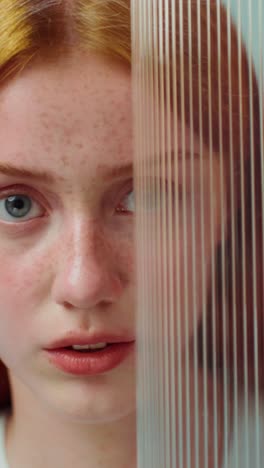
pixel 251 13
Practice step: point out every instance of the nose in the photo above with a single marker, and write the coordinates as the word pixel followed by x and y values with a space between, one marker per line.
pixel 86 273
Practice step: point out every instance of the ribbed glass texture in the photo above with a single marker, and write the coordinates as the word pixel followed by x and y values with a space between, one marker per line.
pixel 199 177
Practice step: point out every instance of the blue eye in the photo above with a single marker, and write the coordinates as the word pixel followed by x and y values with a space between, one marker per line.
pixel 18 207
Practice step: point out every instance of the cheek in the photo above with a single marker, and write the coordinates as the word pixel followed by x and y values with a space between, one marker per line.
pixel 20 275
pixel 20 294
pixel 14 308
pixel 177 266
pixel 122 254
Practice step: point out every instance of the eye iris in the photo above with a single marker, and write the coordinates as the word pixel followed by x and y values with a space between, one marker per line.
pixel 18 205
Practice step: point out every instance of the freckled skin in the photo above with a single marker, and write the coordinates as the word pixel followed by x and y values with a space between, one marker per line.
pixel 73 269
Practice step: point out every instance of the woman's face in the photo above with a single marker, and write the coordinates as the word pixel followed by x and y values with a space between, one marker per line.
pixel 66 236
pixel 66 239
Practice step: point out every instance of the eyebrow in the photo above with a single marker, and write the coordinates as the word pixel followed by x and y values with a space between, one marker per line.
pixel 46 176
pixel 14 171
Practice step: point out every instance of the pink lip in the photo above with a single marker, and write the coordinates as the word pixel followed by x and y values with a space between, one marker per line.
pixel 74 338
pixel 89 364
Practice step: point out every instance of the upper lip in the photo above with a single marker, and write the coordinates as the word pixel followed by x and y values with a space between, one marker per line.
pixel 75 338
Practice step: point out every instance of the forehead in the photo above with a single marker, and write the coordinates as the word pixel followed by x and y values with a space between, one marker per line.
pixel 75 109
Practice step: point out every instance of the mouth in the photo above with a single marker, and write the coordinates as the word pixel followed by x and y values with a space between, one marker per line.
pixel 96 348
pixel 87 361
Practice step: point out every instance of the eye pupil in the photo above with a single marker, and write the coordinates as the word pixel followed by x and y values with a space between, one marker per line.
pixel 18 205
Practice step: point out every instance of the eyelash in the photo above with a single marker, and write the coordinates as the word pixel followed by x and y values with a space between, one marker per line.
pixel 14 189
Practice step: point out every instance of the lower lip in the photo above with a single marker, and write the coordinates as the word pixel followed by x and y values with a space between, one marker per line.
pixel 77 363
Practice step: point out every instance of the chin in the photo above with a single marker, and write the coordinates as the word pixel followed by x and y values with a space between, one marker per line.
pixel 95 413
pixel 91 402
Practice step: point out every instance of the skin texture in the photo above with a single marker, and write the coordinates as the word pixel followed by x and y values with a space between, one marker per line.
pixel 71 266
pixel 72 119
